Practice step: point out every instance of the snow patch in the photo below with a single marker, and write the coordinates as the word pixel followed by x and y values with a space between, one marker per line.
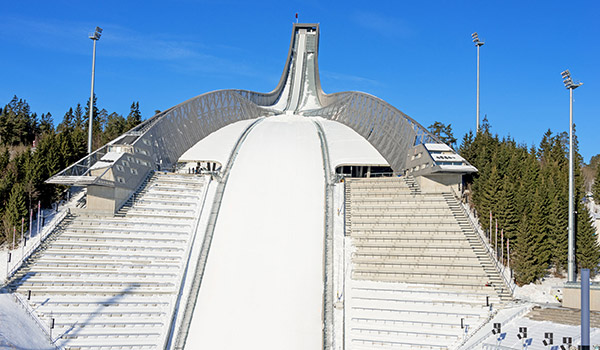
pixel 548 291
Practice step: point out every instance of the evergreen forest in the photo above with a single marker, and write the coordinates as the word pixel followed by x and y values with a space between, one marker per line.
pixel 525 191
pixel 32 150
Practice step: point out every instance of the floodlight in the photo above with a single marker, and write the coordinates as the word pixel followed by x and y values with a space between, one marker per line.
pixel 568 80
pixel 97 34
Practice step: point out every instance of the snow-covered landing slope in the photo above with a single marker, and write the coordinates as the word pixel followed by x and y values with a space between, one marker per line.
pixel 263 283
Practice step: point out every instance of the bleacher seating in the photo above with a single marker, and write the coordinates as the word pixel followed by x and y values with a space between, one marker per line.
pixel 110 282
pixel 418 272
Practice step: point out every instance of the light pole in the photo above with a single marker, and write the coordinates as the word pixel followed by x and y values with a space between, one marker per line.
pixel 478 43
pixel 568 81
pixel 95 37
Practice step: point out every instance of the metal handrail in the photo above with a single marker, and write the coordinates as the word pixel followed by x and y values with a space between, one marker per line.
pixel 482 339
pixel 56 220
pixel 44 327
pixel 498 265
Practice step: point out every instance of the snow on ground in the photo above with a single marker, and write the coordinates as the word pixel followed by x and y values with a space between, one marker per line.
pixel 217 146
pixel 546 292
pixel 347 147
pixel 33 239
pixel 17 329
pixel 263 283
pixel 536 330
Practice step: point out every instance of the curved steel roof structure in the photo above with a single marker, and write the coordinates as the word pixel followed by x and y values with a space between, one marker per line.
pixel 163 138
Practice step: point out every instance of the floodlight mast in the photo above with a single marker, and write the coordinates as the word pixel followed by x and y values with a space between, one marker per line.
pixel 478 43
pixel 569 84
pixel 95 37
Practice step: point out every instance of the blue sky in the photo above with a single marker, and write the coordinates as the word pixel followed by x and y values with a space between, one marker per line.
pixel 416 55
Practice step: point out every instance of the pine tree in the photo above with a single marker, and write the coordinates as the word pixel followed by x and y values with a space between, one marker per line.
pixel 46 124
pixel 507 210
pixel 80 119
pixel 587 251
pixel 540 231
pixel 443 132
pixel 68 122
pixel 596 186
pixel 466 147
pixel 523 257
pixel 16 208
pixel 545 147
pixel 4 158
pixel 33 180
pixel 135 116
pixel 115 126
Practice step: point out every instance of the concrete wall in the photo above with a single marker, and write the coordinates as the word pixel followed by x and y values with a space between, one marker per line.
pixel 127 173
pixel 440 183
pixel 572 297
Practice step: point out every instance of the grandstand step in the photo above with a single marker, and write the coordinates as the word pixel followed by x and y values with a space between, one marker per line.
pixel 109 282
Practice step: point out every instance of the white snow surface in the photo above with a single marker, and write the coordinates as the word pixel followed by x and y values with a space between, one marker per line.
pixel 263 283
pixel 217 146
pixel 544 292
pixel 347 147
pixel 17 329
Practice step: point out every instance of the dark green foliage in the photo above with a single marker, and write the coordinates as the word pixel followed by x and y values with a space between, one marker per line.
pixel 527 192
pixel 443 132
pixel 115 126
pixel 135 116
pixel 15 210
pixel 596 186
pixel 587 252
pixel 24 169
pixel 523 258
pixel 17 124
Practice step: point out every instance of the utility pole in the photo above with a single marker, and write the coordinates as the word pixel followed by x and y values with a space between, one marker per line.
pixel 569 84
pixel 95 37
pixel 478 43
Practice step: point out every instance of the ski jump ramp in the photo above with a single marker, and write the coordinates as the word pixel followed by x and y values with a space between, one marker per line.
pixel 264 273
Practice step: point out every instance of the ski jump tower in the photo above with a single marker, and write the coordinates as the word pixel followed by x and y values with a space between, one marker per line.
pixel 337 129
pixel 113 172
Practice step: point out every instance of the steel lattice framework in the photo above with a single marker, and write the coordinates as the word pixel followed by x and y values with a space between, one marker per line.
pixel 390 131
pixel 162 139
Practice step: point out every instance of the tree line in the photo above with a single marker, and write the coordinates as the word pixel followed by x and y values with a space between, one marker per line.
pixel 32 150
pixel 526 190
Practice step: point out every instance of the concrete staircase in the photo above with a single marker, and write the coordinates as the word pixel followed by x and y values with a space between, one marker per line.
pixel 110 282
pixel 418 268
pixel 484 258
